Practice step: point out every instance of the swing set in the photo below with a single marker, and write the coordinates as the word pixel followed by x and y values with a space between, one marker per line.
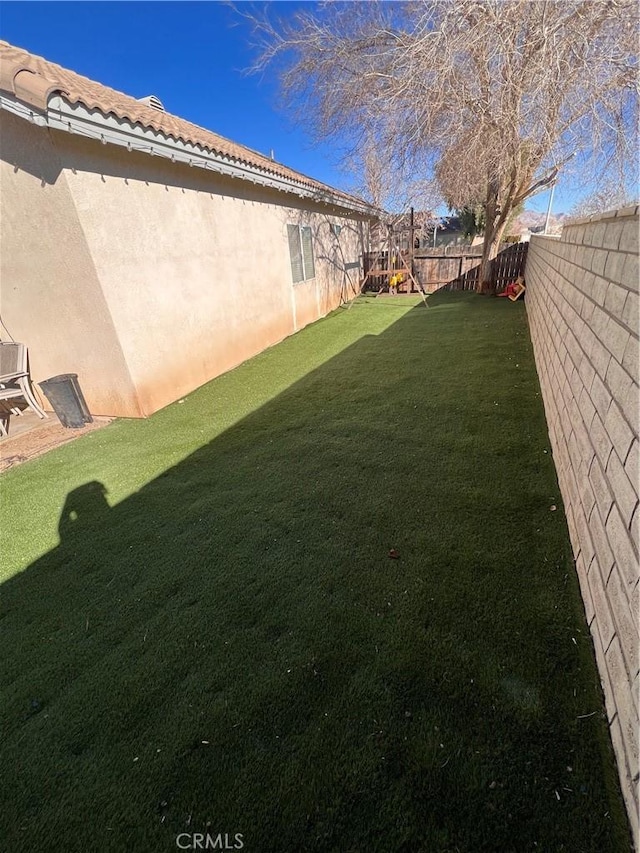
pixel 392 262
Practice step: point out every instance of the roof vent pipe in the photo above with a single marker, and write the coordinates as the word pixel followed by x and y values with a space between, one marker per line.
pixel 153 101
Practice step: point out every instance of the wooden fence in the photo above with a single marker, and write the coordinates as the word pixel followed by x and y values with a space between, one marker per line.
pixel 456 272
pixel 435 271
pixel 505 268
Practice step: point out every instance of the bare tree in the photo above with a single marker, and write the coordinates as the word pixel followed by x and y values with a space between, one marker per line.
pixel 493 97
pixel 371 175
pixel 386 186
pixel 607 197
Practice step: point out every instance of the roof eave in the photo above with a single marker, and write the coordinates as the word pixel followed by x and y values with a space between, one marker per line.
pixel 75 118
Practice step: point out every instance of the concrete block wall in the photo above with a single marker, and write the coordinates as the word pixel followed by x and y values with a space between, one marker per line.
pixel 582 304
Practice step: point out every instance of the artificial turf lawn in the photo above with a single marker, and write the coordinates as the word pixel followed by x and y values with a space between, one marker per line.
pixel 226 646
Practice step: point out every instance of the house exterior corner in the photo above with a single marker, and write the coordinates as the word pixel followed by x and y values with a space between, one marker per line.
pixel 150 272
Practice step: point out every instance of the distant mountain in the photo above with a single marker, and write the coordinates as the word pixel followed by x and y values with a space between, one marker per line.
pixel 531 220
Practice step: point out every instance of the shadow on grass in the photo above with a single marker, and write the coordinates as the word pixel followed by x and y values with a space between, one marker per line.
pixel 231 650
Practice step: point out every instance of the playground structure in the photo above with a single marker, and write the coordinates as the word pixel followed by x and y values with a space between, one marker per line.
pixel 397 266
pixel 391 267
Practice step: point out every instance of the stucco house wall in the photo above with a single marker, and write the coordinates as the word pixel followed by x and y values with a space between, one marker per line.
pixel 148 278
pixel 50 293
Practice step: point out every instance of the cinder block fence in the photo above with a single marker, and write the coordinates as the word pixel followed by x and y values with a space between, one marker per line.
pixel 582 305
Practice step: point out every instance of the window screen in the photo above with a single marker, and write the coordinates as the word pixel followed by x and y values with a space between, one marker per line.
pixel 307 253
pixel 301 252
pixel 295 253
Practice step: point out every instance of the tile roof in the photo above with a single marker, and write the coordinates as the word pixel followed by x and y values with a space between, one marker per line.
pixel 33 79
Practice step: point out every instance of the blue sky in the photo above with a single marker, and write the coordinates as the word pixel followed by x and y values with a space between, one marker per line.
pixel 193 56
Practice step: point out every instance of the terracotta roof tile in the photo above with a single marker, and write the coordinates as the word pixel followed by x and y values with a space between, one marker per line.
pixel 34 79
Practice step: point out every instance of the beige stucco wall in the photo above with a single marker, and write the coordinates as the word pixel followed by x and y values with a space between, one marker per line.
pixel 191 269
pixel 50 294
pixel 583 307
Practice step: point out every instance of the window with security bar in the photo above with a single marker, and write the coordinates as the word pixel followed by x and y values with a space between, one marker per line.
pixel 301 253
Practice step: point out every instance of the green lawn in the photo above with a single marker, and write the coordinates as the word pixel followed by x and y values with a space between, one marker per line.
pixel 219 641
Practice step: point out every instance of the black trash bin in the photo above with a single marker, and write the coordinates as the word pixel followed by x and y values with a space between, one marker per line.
pixel 66 397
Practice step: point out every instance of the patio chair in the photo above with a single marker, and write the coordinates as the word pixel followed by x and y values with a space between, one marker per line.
pixel 14 379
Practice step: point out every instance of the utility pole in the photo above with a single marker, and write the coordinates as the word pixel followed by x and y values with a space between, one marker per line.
pixel 411 251
pixel 546 224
